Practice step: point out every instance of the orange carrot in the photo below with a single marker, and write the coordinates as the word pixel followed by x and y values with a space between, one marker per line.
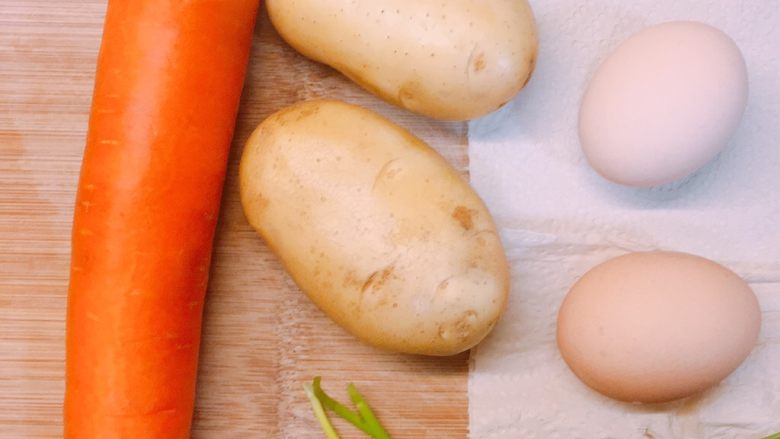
pixel 168 82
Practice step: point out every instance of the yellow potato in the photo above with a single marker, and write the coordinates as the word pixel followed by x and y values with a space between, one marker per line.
pixel 375 227
pixel 454 59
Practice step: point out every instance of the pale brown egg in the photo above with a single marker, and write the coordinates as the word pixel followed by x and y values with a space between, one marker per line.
pixel 657 326
pixel 664 104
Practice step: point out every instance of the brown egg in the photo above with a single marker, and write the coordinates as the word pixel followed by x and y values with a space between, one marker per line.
pixel 657 326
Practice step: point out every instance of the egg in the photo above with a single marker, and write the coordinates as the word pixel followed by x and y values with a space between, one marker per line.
pixel 663 104
pixel 657 326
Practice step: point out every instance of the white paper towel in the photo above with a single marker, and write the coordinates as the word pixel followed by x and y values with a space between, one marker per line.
pixel 558 219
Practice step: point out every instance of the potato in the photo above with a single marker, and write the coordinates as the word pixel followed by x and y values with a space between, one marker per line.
pixel 375 227
pixel 454 59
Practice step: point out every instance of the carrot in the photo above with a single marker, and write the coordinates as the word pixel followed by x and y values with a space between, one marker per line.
pixel 167 87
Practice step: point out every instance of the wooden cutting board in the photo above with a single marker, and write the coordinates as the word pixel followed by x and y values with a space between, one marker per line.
pixel 262 337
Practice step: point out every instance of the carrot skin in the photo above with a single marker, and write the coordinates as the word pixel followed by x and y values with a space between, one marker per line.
pixel 167 88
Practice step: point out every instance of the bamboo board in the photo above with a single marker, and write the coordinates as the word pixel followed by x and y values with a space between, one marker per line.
pixel 262 338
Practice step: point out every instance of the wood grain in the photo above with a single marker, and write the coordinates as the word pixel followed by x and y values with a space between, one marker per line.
pixel 262 337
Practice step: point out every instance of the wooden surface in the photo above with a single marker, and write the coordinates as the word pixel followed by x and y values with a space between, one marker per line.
pixel 262 338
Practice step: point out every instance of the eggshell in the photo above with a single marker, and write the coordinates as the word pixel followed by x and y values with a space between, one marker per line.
pixel 664 104
pixel 657 326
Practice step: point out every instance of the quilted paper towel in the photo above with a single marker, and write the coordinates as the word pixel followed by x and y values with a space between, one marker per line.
pixel 558 219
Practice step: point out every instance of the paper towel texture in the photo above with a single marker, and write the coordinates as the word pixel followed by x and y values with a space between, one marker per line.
pixel 558 219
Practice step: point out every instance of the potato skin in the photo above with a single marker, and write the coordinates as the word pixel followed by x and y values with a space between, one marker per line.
pixel 375 227
pixel 452 60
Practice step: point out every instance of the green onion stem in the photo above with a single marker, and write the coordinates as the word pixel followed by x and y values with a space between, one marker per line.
pixel 377 431
pixel 319 412
pixel 364 418
pixel 338 408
